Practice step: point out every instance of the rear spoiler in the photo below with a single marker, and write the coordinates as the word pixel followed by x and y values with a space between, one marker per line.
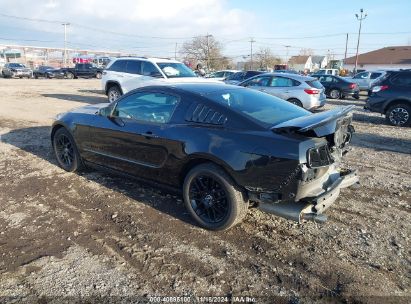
pixel 322 123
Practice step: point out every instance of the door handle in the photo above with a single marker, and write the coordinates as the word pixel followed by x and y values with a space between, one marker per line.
pixel 149 135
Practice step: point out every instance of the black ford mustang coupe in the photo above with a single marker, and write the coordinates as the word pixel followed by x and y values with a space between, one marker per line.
pixel 225 147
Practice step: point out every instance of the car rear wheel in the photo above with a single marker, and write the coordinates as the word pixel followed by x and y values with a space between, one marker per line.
pixel 70 75
pixel 399 115
pixel 296 102
pixel 66 151
pixel 212 198
pixel 98 75
pixel 335 94
pixel 113 93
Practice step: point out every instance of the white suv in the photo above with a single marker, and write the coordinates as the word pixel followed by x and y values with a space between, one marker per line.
pixel 124 74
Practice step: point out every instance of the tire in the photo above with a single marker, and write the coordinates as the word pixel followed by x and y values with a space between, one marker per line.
pixel 113 93
pixel 399 115
pixel 335 94
pixel 98 75
pixel 70 75
pixel 356 96
pixel 295 101
pixel 66 152
pixel 212 198
pixel 36 76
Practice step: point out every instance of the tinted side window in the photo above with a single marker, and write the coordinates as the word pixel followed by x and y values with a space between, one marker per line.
pixel 148 107
pixel 402 79
pixel 281 82
pixel 133 67
pixel 375 75
pixel 237 76
pixel 118 66
pixel 149 69
pixel 258 82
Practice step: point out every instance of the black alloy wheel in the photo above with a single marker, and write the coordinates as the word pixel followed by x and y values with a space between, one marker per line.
pixel 208 199
pixel 212 198
pixel 65 150
pixel 399 115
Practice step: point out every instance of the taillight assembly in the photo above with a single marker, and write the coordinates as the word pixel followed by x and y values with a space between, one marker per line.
pixel 379 88
pixel 311 91
pixel 352 85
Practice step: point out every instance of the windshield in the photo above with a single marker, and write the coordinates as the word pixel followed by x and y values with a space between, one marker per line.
pixel 175 69
pixel 262 107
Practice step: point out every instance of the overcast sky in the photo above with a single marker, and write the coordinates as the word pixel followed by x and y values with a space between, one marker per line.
pixel 153 27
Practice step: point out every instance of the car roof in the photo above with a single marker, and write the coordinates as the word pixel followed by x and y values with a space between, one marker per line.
pixel 151 59
pixel 202 88
pixel 297 77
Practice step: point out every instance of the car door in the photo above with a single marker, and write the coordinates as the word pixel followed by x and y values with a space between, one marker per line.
pixel 133 138
pixel 327 82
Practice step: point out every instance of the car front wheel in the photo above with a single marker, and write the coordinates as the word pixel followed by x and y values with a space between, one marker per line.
pixel 113 94
pixel 98 75
pixel 66 151
pixel 212 198
pixel 399 115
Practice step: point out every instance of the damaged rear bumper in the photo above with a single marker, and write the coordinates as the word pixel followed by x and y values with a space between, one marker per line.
pixel 312 208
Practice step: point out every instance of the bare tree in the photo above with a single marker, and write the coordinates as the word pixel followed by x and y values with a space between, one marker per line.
pixel 306 52
pixel 266 59
pixel 205 50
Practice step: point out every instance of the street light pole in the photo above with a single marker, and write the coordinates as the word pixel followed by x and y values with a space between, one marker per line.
pixel 65 43
pixel 251 53
pixel 359 18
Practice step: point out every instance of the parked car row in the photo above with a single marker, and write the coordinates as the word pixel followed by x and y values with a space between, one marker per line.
pixel 84 70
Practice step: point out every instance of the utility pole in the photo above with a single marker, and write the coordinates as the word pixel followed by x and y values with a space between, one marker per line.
pixel 286 52
pixel 359 18
pixel 251 53
pixel 346 47
pixel 208 51
pixel 175 52
pixel 65 43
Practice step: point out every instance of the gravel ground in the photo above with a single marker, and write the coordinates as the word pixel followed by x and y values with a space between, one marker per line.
pixel 94 237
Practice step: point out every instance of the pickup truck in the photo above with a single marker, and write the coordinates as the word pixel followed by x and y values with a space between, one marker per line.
pixel 86 70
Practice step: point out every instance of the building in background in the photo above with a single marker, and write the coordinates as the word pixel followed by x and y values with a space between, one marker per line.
pixel 319 62
pixel 301 63
pixel 392 57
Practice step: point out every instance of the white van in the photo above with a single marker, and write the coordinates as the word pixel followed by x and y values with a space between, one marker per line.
pixel 335 72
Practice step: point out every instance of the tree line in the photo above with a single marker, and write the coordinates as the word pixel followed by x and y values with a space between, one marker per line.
pixel 207 51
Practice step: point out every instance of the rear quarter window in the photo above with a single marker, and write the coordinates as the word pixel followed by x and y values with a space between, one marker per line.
pixel 401 79
pixel 314 84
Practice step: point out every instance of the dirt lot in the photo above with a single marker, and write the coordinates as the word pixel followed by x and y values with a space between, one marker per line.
pixel 98 237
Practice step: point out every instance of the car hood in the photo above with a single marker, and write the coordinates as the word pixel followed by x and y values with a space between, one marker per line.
pixel 322 124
